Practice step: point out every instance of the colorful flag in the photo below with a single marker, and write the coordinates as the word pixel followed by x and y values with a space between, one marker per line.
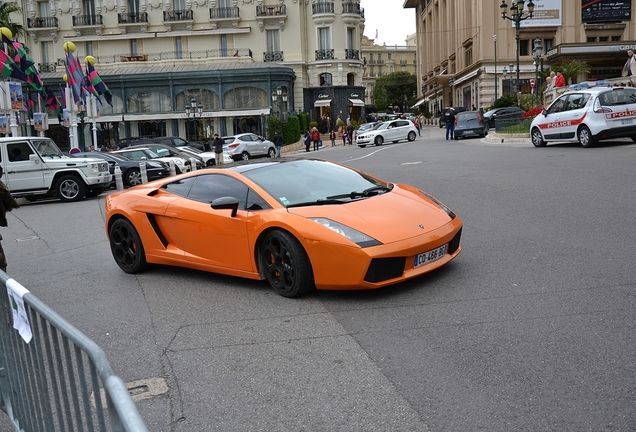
pixel 98 84
pixel 8 68
pixel 75 78
pixel 27 65
pixel 30 108
pixel 53 103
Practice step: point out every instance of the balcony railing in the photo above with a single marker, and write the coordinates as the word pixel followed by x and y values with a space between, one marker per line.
pixel 42 22
pixel 87 20
pixel 322 8
pixel 178 15
pixel 272 56
pixel 47 67
pixel 132 18
pixel 324 54
pixel 175 55
pixel 224 12
pixel 351 54
pixel 352 8
pixel 273 10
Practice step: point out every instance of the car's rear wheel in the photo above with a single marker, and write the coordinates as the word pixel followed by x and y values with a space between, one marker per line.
pixel 133 177
pixel 70 188
pixel 271 152
pixel 286 264
pixel 585 137
pixel 537 138
pixel 126 247
pixel 245 156
pixel 411 136
pixel 379 140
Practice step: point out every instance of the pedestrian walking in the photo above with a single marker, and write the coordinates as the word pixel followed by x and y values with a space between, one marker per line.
pixel 307 140
pixel 449 118
pixel 7 203
pixel 217 143
pixel 332 136
pixel 350 131
pixel 630 65
pixel 315 137
pixel 278 142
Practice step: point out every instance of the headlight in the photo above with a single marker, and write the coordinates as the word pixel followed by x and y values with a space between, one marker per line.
pixel 153 164
pixel 355 236
pixel 448 211
pixel 179 162
pixel 93 167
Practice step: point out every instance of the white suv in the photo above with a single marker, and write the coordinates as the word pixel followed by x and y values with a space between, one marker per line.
pixel 587 114
pixel 392 130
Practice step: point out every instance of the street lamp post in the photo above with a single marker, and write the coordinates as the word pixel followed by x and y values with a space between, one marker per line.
pixel 511 66
pixel 280 108
pixel 537 52
pixel 451 83
pixel 193 109
pixel 494 38
pixel 435 88
pixel 516 16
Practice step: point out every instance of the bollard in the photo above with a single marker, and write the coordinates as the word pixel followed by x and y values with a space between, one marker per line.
pixel 119 183
pixel 173 168
pixel 144 172
pixel 193 164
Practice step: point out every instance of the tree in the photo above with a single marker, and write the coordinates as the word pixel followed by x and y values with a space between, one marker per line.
pixel 395 89
pixel 573 69
pixel 6 9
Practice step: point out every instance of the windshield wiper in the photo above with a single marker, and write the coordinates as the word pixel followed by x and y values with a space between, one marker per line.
pixel 373 190
pixel 318 202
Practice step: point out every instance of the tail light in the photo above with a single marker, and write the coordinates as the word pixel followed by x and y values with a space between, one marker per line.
pixel 598 108
pixel 233 145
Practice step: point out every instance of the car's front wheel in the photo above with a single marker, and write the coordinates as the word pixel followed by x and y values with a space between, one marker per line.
pixel 70 188
pixel 537 138
pixel 585 137
pixel 379 140
pixel 126 247
pixel 210 163
pixel 286 264
pixel 133 177
pixel 411 136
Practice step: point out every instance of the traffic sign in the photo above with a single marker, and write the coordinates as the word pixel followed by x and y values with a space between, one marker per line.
pixel 531 83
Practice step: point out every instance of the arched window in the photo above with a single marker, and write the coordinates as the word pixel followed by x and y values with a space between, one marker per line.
pixel 207 98
pixel 152 102
pixel 245 97
pixel 325 80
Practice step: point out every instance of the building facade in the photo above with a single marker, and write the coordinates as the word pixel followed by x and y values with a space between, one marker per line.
pixel 465 47
pixel 380 60
pixel 241 60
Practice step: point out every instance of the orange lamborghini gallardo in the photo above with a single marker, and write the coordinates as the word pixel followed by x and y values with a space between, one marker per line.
pixel 299 223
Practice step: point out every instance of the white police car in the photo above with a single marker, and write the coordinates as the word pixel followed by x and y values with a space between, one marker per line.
pixel 587 113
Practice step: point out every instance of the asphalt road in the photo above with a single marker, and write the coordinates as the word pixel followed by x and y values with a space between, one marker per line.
pixel 531 328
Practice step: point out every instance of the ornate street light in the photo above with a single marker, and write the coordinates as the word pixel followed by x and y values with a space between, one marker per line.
pixel 279 109
pixel 516 16
pixel 193 109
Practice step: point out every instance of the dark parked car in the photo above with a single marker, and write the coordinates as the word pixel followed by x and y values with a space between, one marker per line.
pixel 130 171
pixel 442 119
pixel 470 123
pixel 164 150
pixel 170 141
pixel 511 112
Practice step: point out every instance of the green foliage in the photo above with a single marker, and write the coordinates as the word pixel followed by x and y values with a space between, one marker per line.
pixel 291 130
pixel 390 90
pixel 6 9
pixel 340 123
pixel 303 119
pixel 273 124
pixel 526 101
pixel 504 101
pixel 573 69
pixel 313 124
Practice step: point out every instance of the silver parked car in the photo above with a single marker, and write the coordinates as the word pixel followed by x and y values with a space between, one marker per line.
pixel 389 131
pixel 248 146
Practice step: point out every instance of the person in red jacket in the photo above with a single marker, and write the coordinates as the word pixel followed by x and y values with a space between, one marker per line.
pixel 559 80
pixel 315 137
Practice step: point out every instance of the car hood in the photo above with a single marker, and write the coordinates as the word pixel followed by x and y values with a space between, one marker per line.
pixel 395 216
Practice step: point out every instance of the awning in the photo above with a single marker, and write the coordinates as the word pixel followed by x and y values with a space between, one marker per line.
pixel 466 77
pixel 419 102
pixel 322 102
pixel 356 102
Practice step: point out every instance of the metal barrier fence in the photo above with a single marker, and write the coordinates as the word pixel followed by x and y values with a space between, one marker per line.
pixel 504 124
pixel 51 374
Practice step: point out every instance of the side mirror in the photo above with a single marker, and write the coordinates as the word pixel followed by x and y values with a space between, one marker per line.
pixel 226 203
pixel 544 112
pixel 35 158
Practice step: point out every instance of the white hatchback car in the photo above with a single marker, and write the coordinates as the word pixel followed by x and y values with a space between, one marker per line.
pixel 587 115
pixel 392 130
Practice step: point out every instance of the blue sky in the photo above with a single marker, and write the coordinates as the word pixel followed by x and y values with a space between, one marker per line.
pixel 392 21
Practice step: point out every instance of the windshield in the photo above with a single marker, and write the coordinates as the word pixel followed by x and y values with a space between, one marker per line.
pixel 313 182
pixel 47 148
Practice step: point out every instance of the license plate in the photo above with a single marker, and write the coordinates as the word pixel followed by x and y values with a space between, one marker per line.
pixel 430 256
pixel 627 121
